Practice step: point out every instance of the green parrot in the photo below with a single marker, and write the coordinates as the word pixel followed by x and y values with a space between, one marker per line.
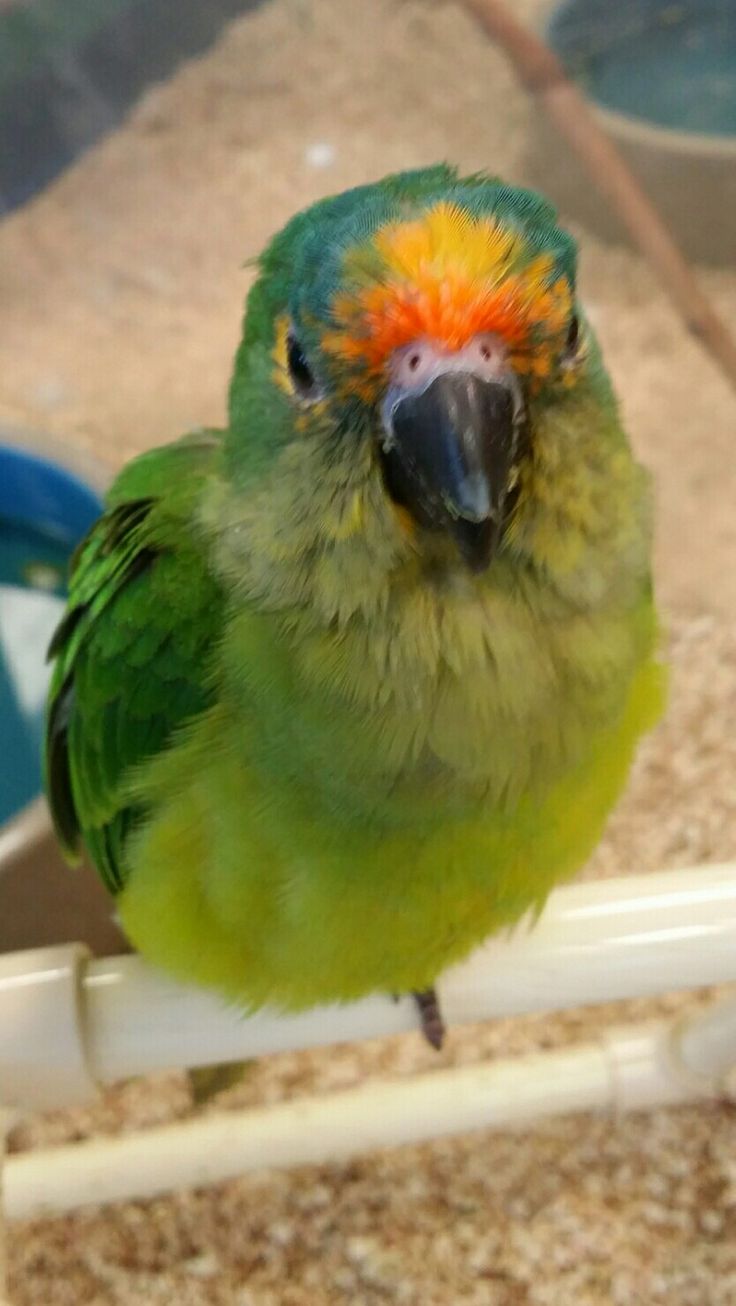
pixel 348 686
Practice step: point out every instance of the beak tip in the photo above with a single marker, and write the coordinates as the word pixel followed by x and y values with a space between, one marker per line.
pixel 472 499
pixel 476 542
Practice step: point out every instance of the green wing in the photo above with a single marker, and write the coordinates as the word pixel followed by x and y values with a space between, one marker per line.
pixel 132 650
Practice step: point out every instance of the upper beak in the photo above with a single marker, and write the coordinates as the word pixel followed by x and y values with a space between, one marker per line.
pixel 450 457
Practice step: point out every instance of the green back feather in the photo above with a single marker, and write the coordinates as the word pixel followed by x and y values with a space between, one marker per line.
pixel 131 652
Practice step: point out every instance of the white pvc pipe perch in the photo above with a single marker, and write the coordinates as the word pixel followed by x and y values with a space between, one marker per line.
pixel 68 1023
pixel 594 942
pixel 628 1069
pixel 43 1060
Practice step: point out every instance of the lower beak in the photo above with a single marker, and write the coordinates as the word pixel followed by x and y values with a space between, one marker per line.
pixel 450 455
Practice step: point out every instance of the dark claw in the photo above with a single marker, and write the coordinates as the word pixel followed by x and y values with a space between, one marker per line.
pixel 433 1026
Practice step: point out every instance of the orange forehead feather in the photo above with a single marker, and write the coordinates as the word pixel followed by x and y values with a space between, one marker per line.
pixel 447 276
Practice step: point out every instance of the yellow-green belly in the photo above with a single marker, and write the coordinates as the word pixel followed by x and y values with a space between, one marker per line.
pixel 237 887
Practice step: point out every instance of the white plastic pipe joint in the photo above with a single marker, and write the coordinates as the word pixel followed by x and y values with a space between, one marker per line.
pixel 43 1054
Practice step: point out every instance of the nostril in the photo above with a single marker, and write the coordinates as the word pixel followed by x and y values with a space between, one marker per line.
pixel 487 354
pixel 415 363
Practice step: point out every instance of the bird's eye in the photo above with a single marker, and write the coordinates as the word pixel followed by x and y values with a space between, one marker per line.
pixel 573 337
pixel 300 373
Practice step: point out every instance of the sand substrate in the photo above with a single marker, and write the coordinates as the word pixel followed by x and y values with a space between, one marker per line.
pixel 121 290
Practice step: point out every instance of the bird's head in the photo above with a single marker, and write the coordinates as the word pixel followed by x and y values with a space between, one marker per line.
pixel 399 343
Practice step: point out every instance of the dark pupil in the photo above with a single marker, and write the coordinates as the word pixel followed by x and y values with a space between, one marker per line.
pixel 572 335
pixel 299 369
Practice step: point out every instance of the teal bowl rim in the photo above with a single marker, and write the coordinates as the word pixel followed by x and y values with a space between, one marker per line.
pixel 638 131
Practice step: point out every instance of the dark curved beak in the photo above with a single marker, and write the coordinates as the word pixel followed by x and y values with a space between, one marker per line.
pixel 450 457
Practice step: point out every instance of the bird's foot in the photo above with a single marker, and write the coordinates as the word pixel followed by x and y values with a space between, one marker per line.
pixel 433 1026
pixel 207 1082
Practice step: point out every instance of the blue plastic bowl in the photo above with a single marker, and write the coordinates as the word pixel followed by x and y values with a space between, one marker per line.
pixel 45 509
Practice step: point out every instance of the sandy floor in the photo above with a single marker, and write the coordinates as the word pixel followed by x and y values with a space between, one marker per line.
pixel 121 290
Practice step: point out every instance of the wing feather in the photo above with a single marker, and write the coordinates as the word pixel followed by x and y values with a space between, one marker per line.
pixel 132 650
